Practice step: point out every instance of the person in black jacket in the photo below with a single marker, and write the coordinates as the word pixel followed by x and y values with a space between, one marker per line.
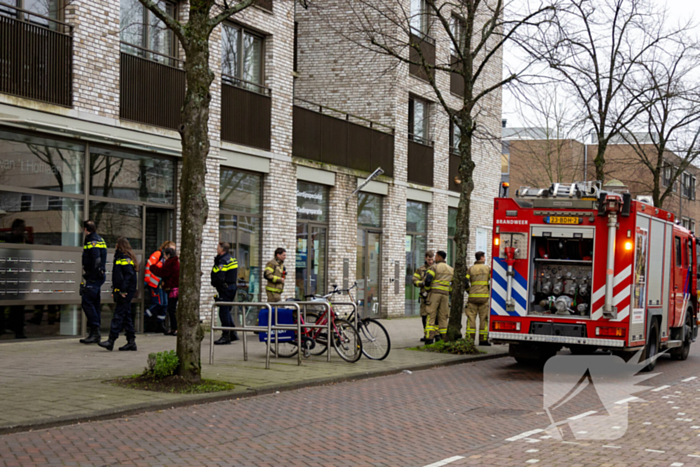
pixel 224 277
pixel 124 275
pixel 94 263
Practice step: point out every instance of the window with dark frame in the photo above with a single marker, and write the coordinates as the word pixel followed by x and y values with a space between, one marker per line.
pixel 420 20
pixel 47 8
pixel 457 29
pixel 418 120
pixel 143 34
pixel 455 137
pixel 242 58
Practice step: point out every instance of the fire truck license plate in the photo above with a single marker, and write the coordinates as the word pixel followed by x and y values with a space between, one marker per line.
pixel 562 220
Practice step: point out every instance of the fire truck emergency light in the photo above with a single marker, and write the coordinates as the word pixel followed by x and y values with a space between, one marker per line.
pixel 610 332
pixel 628 246
pixel 506 326
pixel 496 241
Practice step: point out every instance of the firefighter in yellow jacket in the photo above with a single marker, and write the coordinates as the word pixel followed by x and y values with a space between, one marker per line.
pixel 418 281
pixel 439 279
pixel 275 274
pixel 478 287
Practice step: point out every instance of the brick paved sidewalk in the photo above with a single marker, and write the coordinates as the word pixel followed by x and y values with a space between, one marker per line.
pixel 62 381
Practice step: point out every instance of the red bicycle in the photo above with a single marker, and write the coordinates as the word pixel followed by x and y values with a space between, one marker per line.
pixel 314 341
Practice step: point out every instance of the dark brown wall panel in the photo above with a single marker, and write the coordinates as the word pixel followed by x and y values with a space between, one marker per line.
pixel 454 172
pixel 420 163
pixel 427 49
pixel 150 92
pixel 245 117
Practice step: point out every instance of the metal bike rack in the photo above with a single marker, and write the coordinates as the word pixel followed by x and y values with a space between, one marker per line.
pixel 328 324
pixel 244 329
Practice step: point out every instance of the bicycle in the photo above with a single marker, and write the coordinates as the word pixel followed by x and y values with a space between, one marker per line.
pixel 345 338
pixel 376 343
pixel 250 313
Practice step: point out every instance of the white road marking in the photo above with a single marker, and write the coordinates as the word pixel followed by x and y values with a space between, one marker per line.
pixel 694 427
pixel 532 461
pixel 689 379
pixel 688 420
pixel 675 407
pixel 677 464
pixel 533 450
pixel 530 440
pixel 692 455
pixel 581 432
pixel 616 428
pixel 660 388
pixel 583 415
pixel 525 435
pixel 681 413
pixel 679 419
pixel 647 423
pixel 629 399
pixel 654 450
pixel 612 447
pixel 545 437
pixel 445 461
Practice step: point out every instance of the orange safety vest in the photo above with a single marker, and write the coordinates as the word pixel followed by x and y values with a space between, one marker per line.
pixel 150 279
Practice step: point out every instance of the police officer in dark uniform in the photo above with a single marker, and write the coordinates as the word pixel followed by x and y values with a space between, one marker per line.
pixel 224 276
pixel 94 261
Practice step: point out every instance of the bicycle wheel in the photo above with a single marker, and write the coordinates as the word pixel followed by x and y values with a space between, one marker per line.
pixel 287 349
pixel 321 341
pixel 347 341
pixel 375 340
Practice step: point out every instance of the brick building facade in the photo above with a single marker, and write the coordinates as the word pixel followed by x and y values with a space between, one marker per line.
pixel 272 178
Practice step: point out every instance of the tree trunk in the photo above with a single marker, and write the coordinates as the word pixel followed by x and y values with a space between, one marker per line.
pixel 195 149
pixel 466 174
pixel 600 160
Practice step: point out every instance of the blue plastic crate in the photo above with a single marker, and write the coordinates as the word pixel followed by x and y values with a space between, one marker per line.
pixel 285 316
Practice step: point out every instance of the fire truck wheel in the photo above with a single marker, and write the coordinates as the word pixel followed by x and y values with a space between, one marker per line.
pixel 652 348
pixel 681 353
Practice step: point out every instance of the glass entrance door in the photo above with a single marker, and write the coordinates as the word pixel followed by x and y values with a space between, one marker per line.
pixel 310 260
pixel 415 251
pixel 368 272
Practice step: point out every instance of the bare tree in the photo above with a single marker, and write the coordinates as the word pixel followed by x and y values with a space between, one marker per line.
pixel 194 37
pixel 596 47
pixel 476 31
pixel 666 137
pixel 547 149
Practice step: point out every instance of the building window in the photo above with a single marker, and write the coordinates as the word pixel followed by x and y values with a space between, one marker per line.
pixel 418 120
pixel 240 224
pixel 242 58
pixel 457 29
pixel 505 157
pixel 420 23
pixel 369 210
pixel 455 138
pixel 47 8
pixel 312 239
pixel 688 186
pixel 451 232
pixel 143 34
pixel 26 203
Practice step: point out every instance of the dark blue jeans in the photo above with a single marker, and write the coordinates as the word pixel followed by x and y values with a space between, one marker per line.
pixel 122 318
pixel 91 304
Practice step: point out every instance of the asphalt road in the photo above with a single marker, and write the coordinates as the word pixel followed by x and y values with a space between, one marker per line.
pixel 485 413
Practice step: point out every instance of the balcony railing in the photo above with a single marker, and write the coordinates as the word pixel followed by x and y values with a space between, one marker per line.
pixel 151 88
pixel 420 162
pixel 246 113
pixel 36 56
pixel 456 79
pixel 334 137
pixel 427 49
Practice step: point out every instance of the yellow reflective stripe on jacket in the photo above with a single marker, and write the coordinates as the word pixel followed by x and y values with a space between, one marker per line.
pixel 269 269
pixel 230 266
pixel 90 246
pixel 216 269
pixel 441 285
pixel 272 289
pixel 124 262
pixel 479 295
pixel 480 283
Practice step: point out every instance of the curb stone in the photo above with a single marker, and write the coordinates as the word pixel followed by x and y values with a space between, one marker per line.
pixel 187 401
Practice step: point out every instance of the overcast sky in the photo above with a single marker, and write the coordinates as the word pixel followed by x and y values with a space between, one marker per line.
pixel 679 10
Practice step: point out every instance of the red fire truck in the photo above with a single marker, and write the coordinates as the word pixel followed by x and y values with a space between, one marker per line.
pixel 575 266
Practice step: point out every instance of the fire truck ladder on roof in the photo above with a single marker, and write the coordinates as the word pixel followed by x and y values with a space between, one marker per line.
pixel 559 190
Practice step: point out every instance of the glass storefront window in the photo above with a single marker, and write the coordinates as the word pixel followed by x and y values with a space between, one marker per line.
pixel 131 176
pixel 312 202
pixel 41 163
pixel 240 224
pixel 310 260
pixel 416 217
pixel 240 191
pixel 369 210
pixel 40 219
pixel 114 220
